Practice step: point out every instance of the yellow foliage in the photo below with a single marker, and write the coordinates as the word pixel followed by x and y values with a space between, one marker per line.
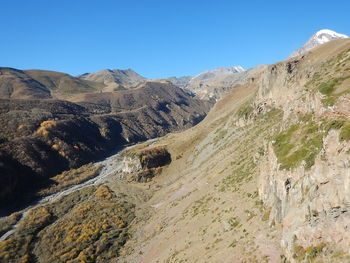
pixel 35 217
pixel 44 126
pixel 48 124
pixel 55 146
pixel 121 224
pixel 95 227
pixel 104 193
pixel 21 127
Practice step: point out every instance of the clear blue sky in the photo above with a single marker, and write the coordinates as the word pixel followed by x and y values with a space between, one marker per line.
pixel 159 38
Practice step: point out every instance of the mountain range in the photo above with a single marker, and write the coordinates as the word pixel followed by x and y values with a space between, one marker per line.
pixel 231 165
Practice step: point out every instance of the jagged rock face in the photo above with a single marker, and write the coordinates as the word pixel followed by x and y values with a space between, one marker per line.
pixel 319 38
pixel 312 205
pixel 310 199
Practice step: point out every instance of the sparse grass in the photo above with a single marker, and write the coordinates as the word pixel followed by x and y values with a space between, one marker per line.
pixel 306 117
pixel 233 222
pixel 332 74
pixel 200 206
pixel 266 214
pixel 315 79
pixel 245 110
pixel 308 254
pixel 242 173
pixel 329 90
pixel 244 164
pixel 220 136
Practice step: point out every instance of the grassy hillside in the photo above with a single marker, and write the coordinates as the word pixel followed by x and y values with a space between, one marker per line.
pixel 62 85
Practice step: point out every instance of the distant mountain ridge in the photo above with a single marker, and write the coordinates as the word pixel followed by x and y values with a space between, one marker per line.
pixel 42 84
pixel 210 84
pixel 317 39
pixel 180 81
pixel 115 79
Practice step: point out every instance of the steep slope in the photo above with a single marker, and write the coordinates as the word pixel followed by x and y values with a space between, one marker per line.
pixel 265 177
pixel 317 39
pixel 115 79
pixel 16 83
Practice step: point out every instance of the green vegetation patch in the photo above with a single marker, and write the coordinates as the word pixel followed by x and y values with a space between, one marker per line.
pixel 345 132
pixel 299 143
pixel 327 88
pixel 302 142
pixel 338 124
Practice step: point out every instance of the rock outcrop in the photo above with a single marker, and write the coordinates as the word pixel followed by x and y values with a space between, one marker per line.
pixel 142 165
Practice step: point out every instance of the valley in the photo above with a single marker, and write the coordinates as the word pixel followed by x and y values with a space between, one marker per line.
pixel 153 172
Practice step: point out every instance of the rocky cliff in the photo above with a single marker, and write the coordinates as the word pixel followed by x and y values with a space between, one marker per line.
pixel 304 178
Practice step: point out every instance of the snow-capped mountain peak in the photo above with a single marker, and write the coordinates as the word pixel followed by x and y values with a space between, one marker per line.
pixel 326 35
pixel 319 38
pixel 237 69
